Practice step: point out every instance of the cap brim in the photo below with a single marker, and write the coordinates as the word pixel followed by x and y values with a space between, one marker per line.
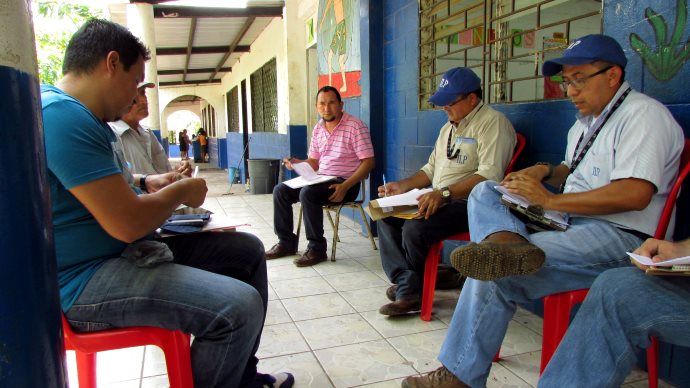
pixel 442 99
pixel 555 66
pixel 146 85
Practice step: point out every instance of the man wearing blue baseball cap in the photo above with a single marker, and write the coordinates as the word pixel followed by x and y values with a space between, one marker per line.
pixel 621 159
pixel 474 145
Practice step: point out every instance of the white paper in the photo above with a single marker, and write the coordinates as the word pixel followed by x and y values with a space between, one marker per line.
pixel 561 218
pixel 304 169
pixel 668 263
pixel 404 199
pixel 307 176
pixel 300 181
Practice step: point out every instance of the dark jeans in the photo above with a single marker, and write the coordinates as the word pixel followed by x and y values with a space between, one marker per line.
pixel 312 199
pixel 404 245
pixel 216 289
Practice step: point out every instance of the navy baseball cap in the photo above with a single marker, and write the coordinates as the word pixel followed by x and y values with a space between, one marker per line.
pixel 145 84
pixel 454 83
pixel 588 49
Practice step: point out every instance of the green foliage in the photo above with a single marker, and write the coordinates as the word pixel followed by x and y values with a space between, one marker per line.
pixel 54 22
pixel 666 61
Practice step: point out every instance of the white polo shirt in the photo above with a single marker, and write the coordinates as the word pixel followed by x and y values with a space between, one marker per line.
pixel 141 149
pixel 640 140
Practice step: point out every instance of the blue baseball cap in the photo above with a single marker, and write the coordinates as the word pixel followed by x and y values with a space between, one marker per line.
pixel 588 49
pixel 454 83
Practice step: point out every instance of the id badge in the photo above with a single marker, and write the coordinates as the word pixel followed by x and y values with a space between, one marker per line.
pixel 461 144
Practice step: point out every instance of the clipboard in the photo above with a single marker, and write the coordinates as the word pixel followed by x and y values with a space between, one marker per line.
pixel 535 217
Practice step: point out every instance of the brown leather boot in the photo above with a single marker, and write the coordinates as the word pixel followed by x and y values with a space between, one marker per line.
pixel 440 378
pixel 499 255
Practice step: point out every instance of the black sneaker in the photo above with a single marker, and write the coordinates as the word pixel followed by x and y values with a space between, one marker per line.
pixel 278 380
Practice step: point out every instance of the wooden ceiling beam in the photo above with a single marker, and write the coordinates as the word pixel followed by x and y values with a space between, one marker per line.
pixel 180 83
pixel 234 45
pixel 190 43
pixel 200 50
pixel 171 11
pixel 194 71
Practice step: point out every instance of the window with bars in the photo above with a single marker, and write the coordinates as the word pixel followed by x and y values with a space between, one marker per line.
pixel 208 120
pixel 233 101
pixel 264 88
pixel 504 41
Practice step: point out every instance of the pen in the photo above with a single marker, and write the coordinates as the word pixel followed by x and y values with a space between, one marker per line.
pixel 196 171
pixel 385 189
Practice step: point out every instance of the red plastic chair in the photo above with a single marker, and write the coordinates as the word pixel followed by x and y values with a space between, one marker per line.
pixel 557 307
pixel 434 254
pixel 175 346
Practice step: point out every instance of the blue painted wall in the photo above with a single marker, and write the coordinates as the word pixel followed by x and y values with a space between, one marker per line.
pixel 409 135
pixel 217 151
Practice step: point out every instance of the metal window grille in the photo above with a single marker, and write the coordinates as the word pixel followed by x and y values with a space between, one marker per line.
pixel 504 41
pixel 232 98
pixel 264 89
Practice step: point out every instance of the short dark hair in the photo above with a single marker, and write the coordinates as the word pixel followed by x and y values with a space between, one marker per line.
pixel 329 88
pixel 95 39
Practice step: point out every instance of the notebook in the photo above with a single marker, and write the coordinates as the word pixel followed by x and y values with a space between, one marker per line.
pixel 534 215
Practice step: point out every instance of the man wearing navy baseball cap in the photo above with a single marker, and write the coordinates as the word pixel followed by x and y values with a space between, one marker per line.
pixel 621 159
pixel 475 144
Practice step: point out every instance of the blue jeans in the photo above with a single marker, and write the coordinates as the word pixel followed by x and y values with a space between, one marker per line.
pixel 404 245
pixel 312 199
pixel 623 308
pixel 573 259
pixel 215 289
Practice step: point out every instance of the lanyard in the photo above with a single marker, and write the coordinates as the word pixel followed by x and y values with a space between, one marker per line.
pixel 450 151
pixel 578 156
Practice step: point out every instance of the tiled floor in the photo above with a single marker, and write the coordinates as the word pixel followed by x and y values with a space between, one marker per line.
pixel 323 325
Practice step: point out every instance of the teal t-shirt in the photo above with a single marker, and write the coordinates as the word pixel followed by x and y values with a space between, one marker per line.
pixel 79 149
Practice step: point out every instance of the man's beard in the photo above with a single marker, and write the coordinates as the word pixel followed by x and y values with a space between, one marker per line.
pixel 328 119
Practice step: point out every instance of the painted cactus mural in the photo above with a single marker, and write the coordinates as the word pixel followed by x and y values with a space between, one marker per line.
pixel 668 59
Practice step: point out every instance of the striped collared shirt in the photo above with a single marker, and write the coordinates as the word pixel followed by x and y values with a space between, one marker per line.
pixel 340 153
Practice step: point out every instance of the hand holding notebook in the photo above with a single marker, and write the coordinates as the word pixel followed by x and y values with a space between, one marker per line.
pixel 679 266
pixel 539 218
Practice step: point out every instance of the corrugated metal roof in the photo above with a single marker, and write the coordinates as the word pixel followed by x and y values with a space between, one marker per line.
pixel 218 37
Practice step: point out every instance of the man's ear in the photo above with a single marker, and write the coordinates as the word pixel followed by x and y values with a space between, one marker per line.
pixel 112 61
pixel 615 75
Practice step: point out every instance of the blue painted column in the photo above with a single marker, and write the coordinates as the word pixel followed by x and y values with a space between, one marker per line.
pixel 31 350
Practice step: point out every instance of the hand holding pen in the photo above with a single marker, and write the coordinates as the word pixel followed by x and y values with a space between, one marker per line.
pixel 287 162
pixel 389 188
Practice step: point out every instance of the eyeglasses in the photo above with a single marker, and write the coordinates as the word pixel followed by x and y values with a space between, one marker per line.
pixel 579 83
pixel 455 102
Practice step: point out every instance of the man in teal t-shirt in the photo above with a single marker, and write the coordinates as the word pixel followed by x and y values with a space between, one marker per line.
pixel 211 285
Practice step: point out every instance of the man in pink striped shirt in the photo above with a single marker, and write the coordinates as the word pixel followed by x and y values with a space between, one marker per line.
pixel 340 146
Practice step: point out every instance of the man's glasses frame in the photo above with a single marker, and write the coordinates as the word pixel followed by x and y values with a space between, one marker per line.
pixel 456 101
pixel 579 83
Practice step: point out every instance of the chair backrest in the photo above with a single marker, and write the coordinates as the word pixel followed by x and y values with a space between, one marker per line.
pixel 670 204
pixel 519 146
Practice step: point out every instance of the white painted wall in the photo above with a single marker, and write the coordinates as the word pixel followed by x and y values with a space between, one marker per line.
pixel 283 39
pixel 211 93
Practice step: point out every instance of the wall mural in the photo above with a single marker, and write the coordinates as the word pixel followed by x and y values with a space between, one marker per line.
pixel 667 60
pixel 338 46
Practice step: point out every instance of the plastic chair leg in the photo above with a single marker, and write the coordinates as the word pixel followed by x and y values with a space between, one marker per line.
pixel 176 349
pixel 430 271
pixel 557 309
pixel 653 364
pixel 86 369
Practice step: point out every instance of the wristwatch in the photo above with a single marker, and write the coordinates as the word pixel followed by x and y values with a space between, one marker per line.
pixel 142 182
pixel 550 166
pixel 445 193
